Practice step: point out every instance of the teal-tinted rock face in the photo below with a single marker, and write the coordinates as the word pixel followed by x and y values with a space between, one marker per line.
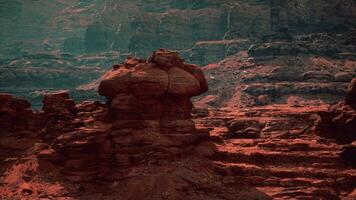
pixel 213 51
pixel 140 26
pixel 98 38
pixel 100 33
pixel 10 9
pixel 73 45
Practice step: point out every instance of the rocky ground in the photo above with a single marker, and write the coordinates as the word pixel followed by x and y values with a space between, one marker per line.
pixel 274 123
pixel 305 70
pixel 147 142
pixel 279 154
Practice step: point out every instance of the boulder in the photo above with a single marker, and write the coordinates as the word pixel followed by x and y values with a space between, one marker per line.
pixel 15 113
pixel 348 154
pixel 339 121
pixel 263 100
pixel 351 94
pixel 58 102
pixel 244 128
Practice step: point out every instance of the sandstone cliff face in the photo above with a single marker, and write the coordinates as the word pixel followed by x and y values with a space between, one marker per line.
pixel 211 21
pixel 281 68
pixel 122 25
pixel 204 32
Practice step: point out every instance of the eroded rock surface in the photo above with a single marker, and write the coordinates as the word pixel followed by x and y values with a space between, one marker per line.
pixel 145 131
pixel 15 113
pixel 339 122
pixel 151 107
pixel 145 144
pixel 17 128
pixel 315 67
pixel 288 160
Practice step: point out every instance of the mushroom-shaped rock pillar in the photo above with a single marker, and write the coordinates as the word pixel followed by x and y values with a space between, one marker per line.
pixel 151 106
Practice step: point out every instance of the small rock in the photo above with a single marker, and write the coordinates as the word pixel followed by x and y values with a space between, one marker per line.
pixel 26 189
pixel 263 100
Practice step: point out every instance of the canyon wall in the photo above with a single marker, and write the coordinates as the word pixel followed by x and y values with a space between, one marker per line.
pixel 140 26
pixel 71 43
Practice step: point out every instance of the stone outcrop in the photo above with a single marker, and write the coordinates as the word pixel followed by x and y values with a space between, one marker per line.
pixel 15 113
pixel 351 94
pixel 143 145
pixel 151 107
pixel 58 102
pixel 348 154
pixel 286 161
pixel 147 119
pixel 73 139
pixel 83 154
pixel 243 129
pixel 58 115
pixel 339 122
pixel 18 130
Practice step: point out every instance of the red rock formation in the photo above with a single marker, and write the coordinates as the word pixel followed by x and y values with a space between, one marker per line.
pixel 287 161
pixel 150 104
pixel 348 154
pixel 15 113
pixel 152 158
pixel 58 102
pixel 351 94
pixel 241 128
pixel 150 110
pixel 58 115
pixel 83 154
pixel 339 122
pixel 78 146
pixel 17 130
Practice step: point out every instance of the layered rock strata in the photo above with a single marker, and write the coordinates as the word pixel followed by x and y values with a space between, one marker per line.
pixel 17 130
pixel 58 115
pixel 15 113
pixel 316 67
pixel 150 104
pixel 83 154
pixel 78 146
pixel 147 119
pixel 339 122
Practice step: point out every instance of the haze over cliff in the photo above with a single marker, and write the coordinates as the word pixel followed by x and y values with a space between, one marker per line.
pixel 62 44
pixel 140 26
